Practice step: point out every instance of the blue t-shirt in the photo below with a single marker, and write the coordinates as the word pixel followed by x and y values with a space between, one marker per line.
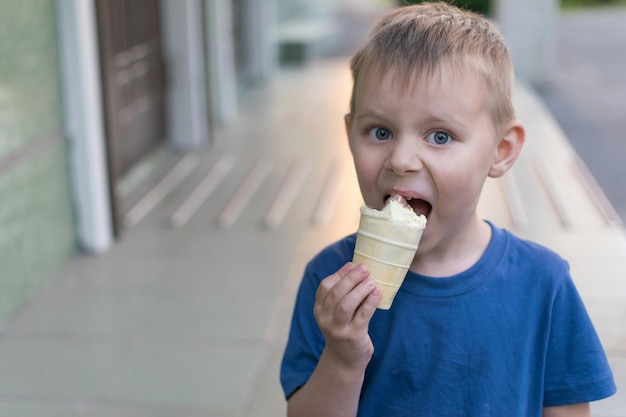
pixel 505 338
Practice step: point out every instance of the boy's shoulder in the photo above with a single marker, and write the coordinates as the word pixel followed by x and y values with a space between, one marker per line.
pixel 525 246
pixel 520 253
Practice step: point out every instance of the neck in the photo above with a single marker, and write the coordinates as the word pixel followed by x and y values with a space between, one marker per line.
pixel 462 252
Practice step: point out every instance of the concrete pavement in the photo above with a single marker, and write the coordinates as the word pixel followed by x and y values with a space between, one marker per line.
pixel 587 94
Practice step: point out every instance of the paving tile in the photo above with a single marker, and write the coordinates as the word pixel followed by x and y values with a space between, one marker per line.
pixel 614 406
pixel 53 370
pixel 606 281
pixel 216 377
pixel 267 399
pixel 114 271
pixel 86 314
pixel 609 318
pixel 139 410
pixel 192 319
pixel 25 409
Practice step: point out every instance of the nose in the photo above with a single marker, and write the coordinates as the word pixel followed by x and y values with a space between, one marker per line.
pixel 404 157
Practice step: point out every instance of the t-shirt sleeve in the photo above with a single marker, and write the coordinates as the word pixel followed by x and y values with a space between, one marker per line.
pixel 306 342
pixel 577 369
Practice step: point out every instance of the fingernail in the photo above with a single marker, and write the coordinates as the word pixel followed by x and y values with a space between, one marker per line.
pixel 362 269
pixel 349 267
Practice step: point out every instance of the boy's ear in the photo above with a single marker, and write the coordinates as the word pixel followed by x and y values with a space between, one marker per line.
pixel 508 149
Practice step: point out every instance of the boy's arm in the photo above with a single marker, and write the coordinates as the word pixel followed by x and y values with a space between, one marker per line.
pixel 574 410
pixel 331 391
pixel 344 305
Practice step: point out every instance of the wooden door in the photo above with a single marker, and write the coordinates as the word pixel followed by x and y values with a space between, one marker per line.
pixel 133 82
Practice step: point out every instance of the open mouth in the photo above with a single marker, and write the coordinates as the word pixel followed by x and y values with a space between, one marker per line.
pixel 418 205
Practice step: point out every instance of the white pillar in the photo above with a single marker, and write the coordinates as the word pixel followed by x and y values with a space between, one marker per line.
pixel 84 126
pixel 529 28
pixel 186 92
pixel 262 22
pixel 221 60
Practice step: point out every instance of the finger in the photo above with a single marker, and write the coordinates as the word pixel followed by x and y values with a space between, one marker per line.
pixel 328 283
pixel 325 287
pixel 347 308
pixel 332 290
pixel 344 286
pixel 367 309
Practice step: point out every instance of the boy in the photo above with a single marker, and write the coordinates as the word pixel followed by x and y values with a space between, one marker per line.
pixel 485 324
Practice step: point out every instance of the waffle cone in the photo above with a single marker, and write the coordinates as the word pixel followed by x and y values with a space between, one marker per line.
pixel 387 248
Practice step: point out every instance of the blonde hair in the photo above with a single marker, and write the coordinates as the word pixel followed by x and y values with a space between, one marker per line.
pixel 416 40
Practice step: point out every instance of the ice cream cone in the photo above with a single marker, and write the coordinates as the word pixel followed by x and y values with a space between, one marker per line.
pixel 387 247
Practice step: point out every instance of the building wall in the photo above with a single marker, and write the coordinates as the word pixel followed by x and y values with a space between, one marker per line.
pixel 36 220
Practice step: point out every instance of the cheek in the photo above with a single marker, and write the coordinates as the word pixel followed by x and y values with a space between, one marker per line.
pixel 367 170
pixel 461 188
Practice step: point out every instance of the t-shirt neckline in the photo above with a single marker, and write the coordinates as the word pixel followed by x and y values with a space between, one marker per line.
pixel 462 282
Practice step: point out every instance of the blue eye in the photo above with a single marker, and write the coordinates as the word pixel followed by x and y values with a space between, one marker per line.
pixel 380 133
pixel 439 137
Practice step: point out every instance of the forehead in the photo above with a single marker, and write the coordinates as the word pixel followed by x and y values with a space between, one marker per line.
pixel 444 84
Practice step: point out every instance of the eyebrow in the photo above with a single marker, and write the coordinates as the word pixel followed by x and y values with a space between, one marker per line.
pixel 447 118
pixel 370 114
